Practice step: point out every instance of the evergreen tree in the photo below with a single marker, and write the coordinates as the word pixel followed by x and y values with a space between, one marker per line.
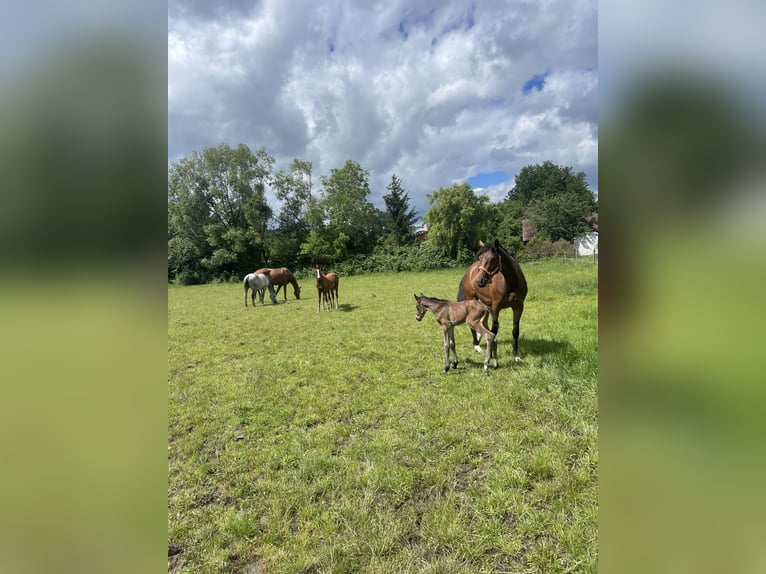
pixel 400 219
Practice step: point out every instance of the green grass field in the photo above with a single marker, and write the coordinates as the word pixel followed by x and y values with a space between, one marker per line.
pixel 332 442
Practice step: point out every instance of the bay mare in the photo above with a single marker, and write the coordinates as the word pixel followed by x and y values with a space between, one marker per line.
pixel 280 277
pixel 496 279
pixel 451 313
pixel 258 282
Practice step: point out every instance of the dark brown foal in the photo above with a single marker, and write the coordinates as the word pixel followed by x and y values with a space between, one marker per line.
pixel 451 313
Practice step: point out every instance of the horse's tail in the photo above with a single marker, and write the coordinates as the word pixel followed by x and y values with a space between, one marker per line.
pixel 460 292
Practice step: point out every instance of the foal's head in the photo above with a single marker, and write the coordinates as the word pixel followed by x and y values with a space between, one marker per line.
pixel 420 307
pixel 488 263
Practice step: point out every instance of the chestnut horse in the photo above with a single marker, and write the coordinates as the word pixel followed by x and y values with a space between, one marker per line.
pixel 327 289
pixel 280 277
pixel 495 278
pixel 451 313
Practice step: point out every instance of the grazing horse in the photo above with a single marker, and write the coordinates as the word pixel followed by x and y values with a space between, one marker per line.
pixel 327 289
pixel 258 282
pixel 451 313
pixel 495 278
pixel 280 277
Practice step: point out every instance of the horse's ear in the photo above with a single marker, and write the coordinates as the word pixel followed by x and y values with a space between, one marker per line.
pixel 481 243
pixel 497 243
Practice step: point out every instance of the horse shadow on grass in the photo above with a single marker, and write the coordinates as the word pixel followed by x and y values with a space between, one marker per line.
pixel 528 348
pixel 346 308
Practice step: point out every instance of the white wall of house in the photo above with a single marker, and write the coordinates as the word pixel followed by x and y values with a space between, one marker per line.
pixel 587 244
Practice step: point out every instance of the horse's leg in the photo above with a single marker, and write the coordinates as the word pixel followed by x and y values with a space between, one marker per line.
pixel 489 337
pixel 245 294
pixel 452 346
pixel 445 333
pixel 276 291
pixel 319 299
pixel 517 311
pixel 272 294
pixel 337 301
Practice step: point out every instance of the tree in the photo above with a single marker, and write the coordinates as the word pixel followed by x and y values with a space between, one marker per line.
pixel 556 200
pixel 293 189
pixel 353 225
pixel 457 220
pixel 217 211
pixel 399 218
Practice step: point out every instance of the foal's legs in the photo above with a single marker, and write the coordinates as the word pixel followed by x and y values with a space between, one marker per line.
pixel 449 344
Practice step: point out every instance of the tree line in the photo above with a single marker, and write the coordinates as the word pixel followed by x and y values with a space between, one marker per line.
pixel 220 225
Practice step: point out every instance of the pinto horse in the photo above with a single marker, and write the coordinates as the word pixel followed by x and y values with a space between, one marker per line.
pixel 451 313
pixel 327 289
pixel 258 282
pixel 495 278
pixel 280 277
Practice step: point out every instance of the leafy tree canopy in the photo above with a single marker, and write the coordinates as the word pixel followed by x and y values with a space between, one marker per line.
pixel 457 219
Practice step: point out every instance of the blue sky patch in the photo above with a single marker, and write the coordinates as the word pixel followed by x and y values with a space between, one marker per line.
pixel 485 179
pixel 536 82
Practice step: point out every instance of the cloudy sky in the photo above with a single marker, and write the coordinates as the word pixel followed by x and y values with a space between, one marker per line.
pixel 437 92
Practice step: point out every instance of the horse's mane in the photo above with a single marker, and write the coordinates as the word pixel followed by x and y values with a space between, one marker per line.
pixel 436 299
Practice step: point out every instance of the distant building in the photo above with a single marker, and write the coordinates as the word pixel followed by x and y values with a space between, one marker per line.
pixel 421 232
pixel 527 230
pixel 587 244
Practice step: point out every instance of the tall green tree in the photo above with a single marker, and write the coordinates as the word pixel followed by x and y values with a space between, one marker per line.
pixel 457 219
pixel 400 219
pixel 217 211
pixel 353 224
pixel 554 198
pixel 293 189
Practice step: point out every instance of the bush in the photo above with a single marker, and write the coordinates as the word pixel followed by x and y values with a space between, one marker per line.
pixel 190 277
pixel 541 248
pixel 387 259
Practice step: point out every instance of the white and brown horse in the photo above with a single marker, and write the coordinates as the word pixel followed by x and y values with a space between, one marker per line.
pixel 280 277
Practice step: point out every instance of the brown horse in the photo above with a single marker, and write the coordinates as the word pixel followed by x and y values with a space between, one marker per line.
pixel 327 289
pixel 280 277
pixel 495 278
pixel 451 313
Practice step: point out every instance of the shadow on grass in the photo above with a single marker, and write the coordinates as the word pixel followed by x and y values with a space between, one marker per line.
pixel 527 348
pixel 542 347
pixel 346 308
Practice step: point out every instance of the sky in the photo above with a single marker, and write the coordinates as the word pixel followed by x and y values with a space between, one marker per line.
pixel 436 92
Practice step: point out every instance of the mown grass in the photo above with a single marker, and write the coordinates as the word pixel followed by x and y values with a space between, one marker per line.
pixel 332 442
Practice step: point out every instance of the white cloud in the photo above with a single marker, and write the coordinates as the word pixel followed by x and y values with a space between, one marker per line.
pixel 430 91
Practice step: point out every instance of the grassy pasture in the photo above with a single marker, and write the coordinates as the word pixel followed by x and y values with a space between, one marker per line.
pixel 332 442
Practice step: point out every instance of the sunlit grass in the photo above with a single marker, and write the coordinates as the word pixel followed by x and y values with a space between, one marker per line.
pixel 332 442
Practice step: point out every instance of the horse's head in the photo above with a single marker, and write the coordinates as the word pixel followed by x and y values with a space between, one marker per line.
pixel 488 263
pixel 420 307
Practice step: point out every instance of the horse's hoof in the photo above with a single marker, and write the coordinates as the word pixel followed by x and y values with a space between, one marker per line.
pixel 477 348
pixel 517 359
